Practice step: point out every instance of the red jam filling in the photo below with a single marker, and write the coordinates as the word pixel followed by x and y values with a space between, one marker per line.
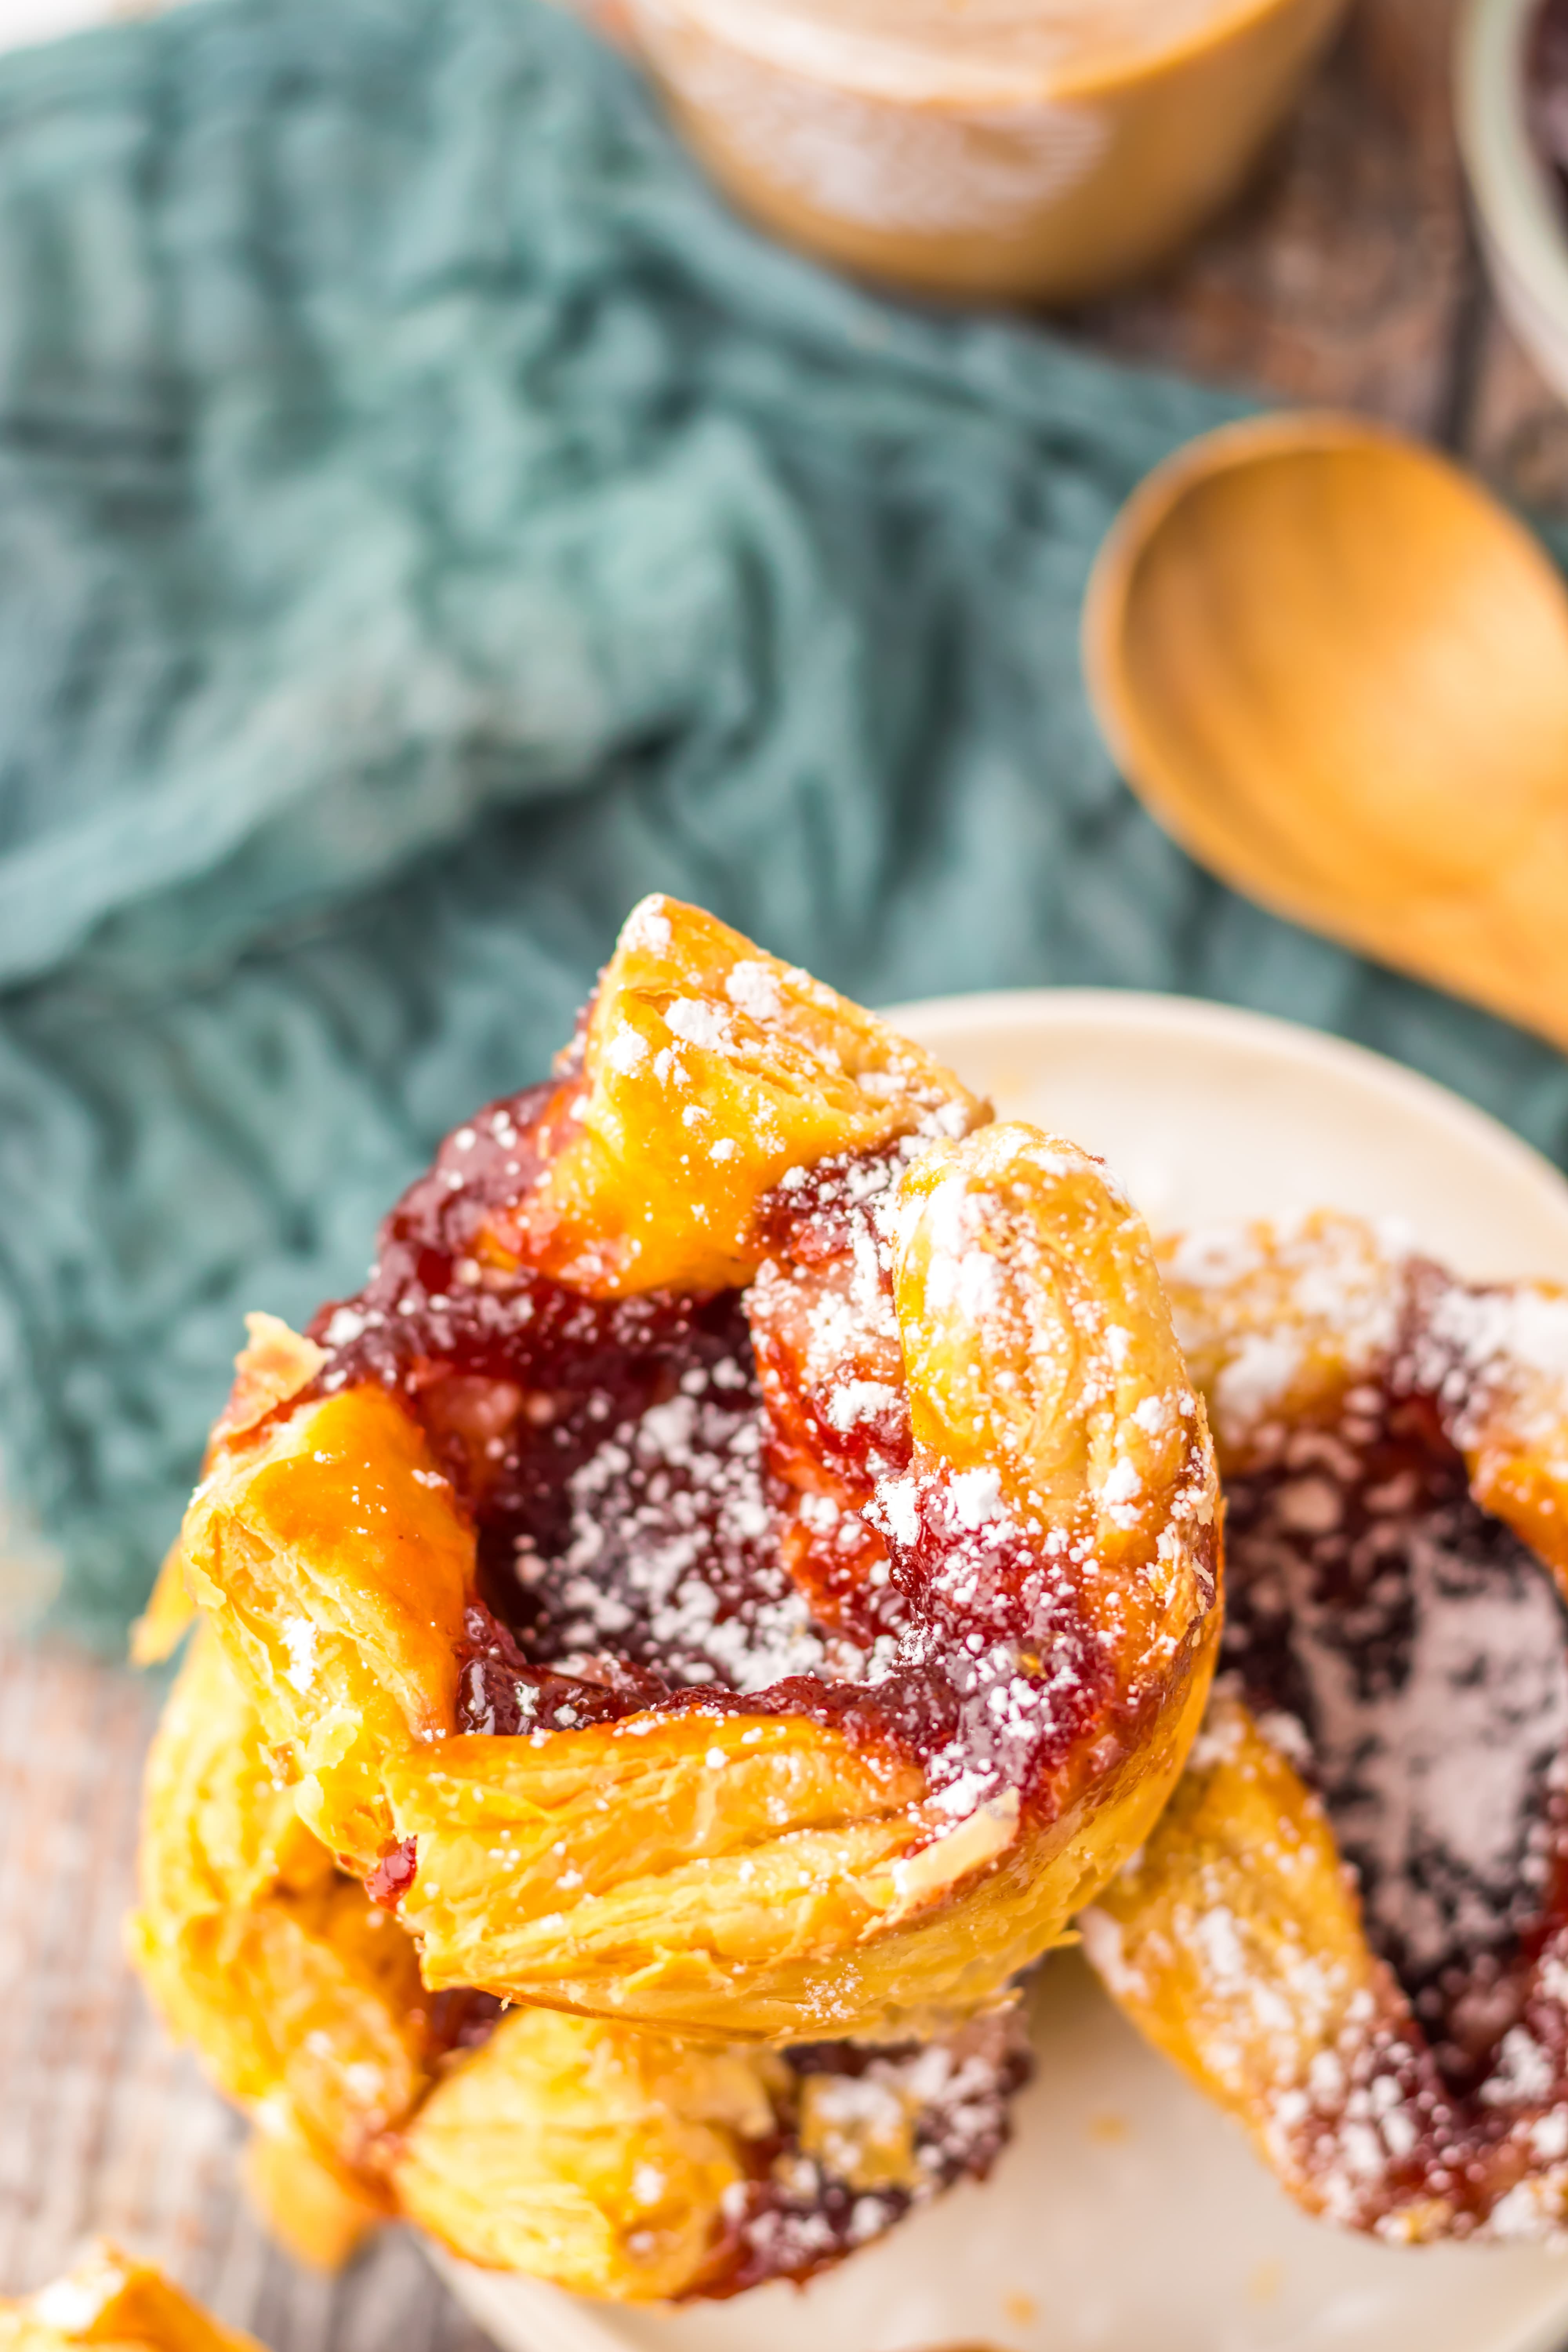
pixel 792 2217
pixel 1410 1655
pixel 459 2020
pixel 654 1532
pixel 393 1876
pixel 636 1507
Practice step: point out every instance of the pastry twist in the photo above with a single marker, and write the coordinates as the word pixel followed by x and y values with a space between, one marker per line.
pixel 609 2160
pixel 746 1563
pixel 109 2298
pixel 1351 1927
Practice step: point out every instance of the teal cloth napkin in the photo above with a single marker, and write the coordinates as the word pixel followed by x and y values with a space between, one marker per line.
pixel 427 522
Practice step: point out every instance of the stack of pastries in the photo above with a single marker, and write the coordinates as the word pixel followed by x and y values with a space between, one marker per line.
pixel 674 1649
pixel 742 1583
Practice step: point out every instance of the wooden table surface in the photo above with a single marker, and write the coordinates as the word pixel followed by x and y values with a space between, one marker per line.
pixel 1348 274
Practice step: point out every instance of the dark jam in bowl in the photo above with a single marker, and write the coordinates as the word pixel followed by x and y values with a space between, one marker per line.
pixel 621 1472
pixel 1546 93
pixel 1410 1655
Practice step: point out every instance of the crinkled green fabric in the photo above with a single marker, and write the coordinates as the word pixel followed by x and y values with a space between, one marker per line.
pixel 427 522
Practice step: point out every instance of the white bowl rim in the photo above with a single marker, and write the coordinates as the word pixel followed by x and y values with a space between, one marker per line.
pixel 1267 1034
pixel 520 2311
pixel 1513 193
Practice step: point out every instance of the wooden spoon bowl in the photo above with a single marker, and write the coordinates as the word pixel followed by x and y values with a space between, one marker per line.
pixel 1337 672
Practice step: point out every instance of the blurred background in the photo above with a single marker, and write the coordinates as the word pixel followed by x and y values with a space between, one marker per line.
pixel 842 706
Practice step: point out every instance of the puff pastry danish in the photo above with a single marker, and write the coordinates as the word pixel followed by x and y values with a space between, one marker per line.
pixel 1351 1927
pixel 109 2298
pixel 746 1562
pixel 608 2160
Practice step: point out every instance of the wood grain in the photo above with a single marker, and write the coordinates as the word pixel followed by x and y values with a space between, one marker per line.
pixel 1349 275
pixel 1344 277
pixel 103 2126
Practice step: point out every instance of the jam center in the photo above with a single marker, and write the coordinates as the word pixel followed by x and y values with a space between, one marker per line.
pixel 1410 1655
pixel 654 1532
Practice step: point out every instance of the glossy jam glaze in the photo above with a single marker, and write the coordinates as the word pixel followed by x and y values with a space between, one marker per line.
pixel 668 1515
pixel 1410 1655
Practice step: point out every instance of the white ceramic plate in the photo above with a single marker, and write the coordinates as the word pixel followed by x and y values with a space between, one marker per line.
pixel 1128 2216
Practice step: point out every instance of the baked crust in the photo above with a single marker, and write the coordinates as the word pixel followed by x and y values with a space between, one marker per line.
pixel 997 1425
pixel 607 2159
pixel 109 2298
pixel 784 1072
pixel 589 2155
pixel 1237 1939
pixel 303 2001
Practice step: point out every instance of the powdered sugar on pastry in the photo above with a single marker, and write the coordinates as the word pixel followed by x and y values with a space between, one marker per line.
pixel 742 1385
pixel 1395 1700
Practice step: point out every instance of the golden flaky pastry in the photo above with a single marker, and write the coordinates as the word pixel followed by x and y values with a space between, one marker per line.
pixel 110 2299
pixel 1351 1927
pixel 746 1562
pixel 303 1999
pixel 607 2159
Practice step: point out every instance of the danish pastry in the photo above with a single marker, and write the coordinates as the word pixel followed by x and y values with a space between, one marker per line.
pixel 109 2298
pixel 746 1561
pixel 1351 1927
pixel 303 1999
pixel 608 2160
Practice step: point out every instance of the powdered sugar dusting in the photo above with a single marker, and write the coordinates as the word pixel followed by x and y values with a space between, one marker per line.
pixel 1483 1349
pixel 868 2135
pixel 72 2305
pixel 647 926
pixel 1423 1650
pixel 1408 1653
pixel 711 1499
pixel 300 1641
pixel 698 1023
pixel 753 986
pixel 1284 1295
pixel 671 1556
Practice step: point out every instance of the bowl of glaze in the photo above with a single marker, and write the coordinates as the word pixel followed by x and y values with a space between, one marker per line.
pixel 1128 2212
pixel 1035 150
pixel 1521 209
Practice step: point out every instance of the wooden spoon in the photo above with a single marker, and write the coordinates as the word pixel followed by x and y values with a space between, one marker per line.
pixel 1338 672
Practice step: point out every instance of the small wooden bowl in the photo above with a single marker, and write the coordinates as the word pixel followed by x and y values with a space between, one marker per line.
pixel 982 152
